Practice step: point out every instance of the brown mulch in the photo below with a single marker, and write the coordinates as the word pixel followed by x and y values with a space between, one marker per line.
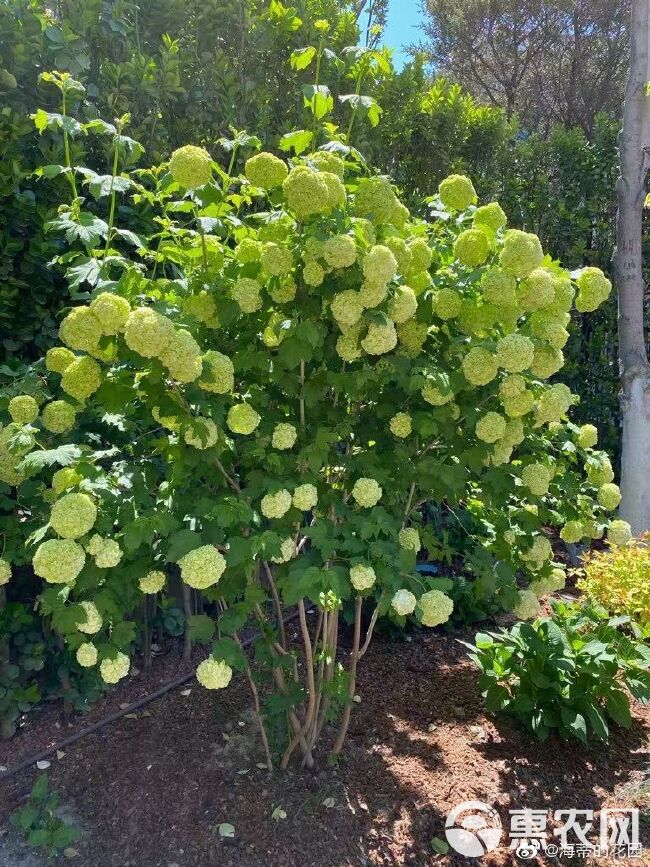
pixel 150 791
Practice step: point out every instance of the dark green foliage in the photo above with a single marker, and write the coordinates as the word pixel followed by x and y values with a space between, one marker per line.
pixel 566 673
pixel 39 823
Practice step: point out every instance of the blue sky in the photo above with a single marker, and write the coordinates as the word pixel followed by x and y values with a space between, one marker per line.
pixel 402 27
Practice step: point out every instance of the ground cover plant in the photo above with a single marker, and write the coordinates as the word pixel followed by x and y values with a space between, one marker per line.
pixel 270 374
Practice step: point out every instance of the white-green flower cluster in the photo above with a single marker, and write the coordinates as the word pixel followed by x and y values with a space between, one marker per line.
pixel 404 603
pixel 152 582
pixel 93 620
pixel 435 607
pixel 527 606
pixel 213 673
pixel 202 567
pixel 362 577
pixel 409 538
pixel 114 670
pixel 305 497
pixel 276 505
pixel 367 492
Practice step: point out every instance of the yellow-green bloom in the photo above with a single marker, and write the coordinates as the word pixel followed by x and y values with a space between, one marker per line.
pixel 113 670
pixel 379 266
pixel 59 561
pixel 218 374
pixel 491 215
pixel 404 603
pixel 340 251
pixel 472 247
pixel 409 538
pixel 93 621
pixel 436 608
pixel 588 436
pixel 213 674
pixel 403 305
pixel 182 357
pixel 284 436
pixel 81 378
pixel 87 655
pixel 619 533
pixel 593 289
pixel 536 290
pixel 242 419
pixel 23 409
pixel 515 352
pixel 376 200
pixel 346 308
pixel 367 492
pixel 276 259
pixel 152 582
pixel 112 312
pixel 609 496
pixel 201 433
pixel 191 167
pixel 305 497
pixel 81 330
pixel 147 332
pixel 537 478
pixel 457 192
pixel 246 292
pixel 479 366
pixel 401 425
pixel 306 191
pixel 491 427
pixel 202 567
pixel 521 253
pixel 447 303
pixel 58 358
pixel 5 572
pixel 276 505
pixel 362 577
pixel 73 516
pixel 58 416
pixel 379 339
pixel 572 532
pixel 527 606
pixel 265 170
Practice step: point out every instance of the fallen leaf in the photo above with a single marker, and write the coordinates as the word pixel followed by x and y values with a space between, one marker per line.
pixel 439 846
pixel 278 813
pixel 3 768
pixel 69 852
pixel 243 771
pixel 225 736
pixel 329 803
pixel 124 705
pixel 186 692
pixel 131 716
pixel 42 766
pixel 225 829
pixel 60 754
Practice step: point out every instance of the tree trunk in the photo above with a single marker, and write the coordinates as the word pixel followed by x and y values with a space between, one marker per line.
pixel 635 370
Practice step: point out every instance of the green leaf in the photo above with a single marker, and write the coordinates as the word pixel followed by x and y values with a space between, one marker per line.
pixel 201 628
pixel 302 57
pixel 234 618
pixel 297 141
pixel 575 722
pixel 318 99
pixel 228 650
pixel 64 456
pixel 618 707
pixel 181 543
pixel 598 722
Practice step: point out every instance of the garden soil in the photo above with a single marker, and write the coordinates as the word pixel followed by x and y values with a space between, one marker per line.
pixel 152 789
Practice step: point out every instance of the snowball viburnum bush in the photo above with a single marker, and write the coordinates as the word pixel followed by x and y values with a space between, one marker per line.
pixel 263 413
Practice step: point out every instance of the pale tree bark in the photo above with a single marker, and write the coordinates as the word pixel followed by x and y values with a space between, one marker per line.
pixel 634 367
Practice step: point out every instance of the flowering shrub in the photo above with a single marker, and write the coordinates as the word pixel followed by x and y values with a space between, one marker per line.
pixel 260 397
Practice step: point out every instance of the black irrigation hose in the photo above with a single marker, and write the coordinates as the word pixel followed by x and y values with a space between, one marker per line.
pixel 113 717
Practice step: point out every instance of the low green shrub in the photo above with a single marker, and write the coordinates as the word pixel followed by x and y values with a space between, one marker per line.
pixel 39 823
pixel 568 673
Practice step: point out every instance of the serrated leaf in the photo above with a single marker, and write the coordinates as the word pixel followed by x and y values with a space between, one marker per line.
pixel 64 456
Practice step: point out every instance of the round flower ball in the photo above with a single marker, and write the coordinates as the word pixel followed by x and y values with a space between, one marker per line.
pixel 479 366
pixel 537 478
pixel 402 305
pixel 515 353
pixel 147 332
pixel 346 308
pixel 242 419
pixel 287 551
pixel 218 374
pixel 491 215
pixel 404 603
pixel 521 253
pixel 265 170
pixel 457 192
pixel 276 505
pixel 572 532
pixel 362 577
pixel 367 492
pixel 59 561
pixel 609 496
pixel 58 358
pixel 380 339
pixel 409 538
pixel 93 621
pixel 305 497
pixel 472 247
pixel 436 608
pixel 202 567
pixel 191 167
pixel 284 436
pixel 619 533
pixel 109 555
pixel 111 311
pixel 593 289
pixel 81 378
pixel 307 192
pixel 80 330
pixel 152 582
pixel 23 409
pixel 5 572
pixel 491 427
pixel 421 255
pixel 201 433
pixel 87 655
pixel 401 425
pixel 73 516
pixel 527 606
pixel 113 670
pixel 588 436
pixel 213 673
pixel 340 251
pixel 379 266
pixel 600 473
pixel 65 478
pixel 447 303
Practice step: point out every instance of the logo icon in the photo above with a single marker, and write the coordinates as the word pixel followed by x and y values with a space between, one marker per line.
pixel 473 828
